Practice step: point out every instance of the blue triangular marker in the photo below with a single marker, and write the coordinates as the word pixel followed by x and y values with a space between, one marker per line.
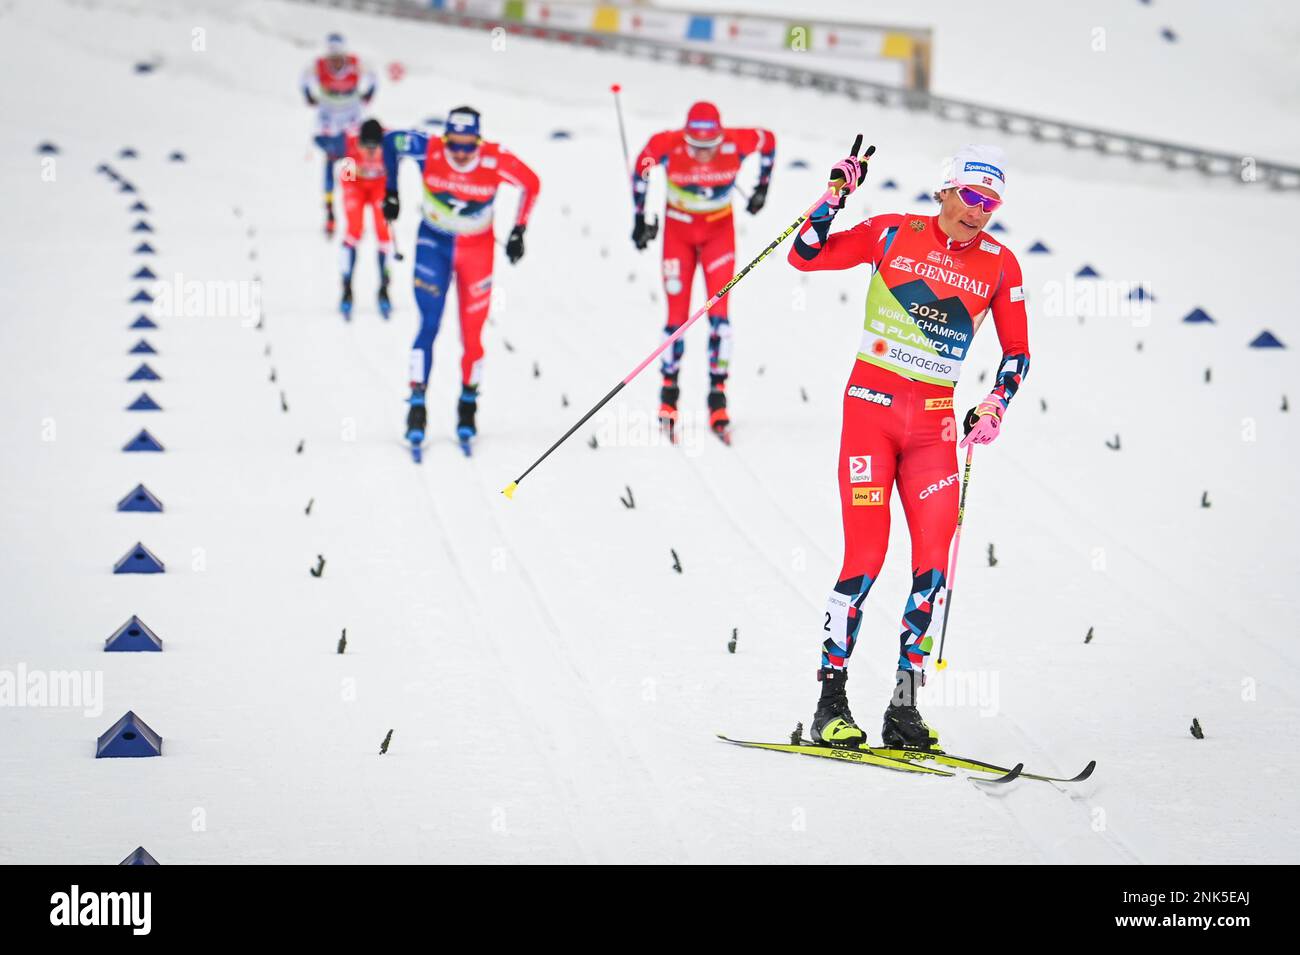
pixel 1169 35
pixel 798 164
pixel 144 373
pixel 133 637
pixel 144 247
pixel 104 168
pixel 143 441
pixel 140 498
pixel 139 857
pixel 138 207
pixel 889 184
pixel 126 153
pixel 1198 315
pixel 142 226
pixel 1087 272
pixel 143 321
pixel 144 272
pixel 139 560
pixel 47 149
pixel 142 347
pixel 144 403
pixel 177 156
pixel 140 296
pixel 924 197
pixel 1266 339
pixel 561 134
pixel 131 737
pixel 1140 294
pixel 1039 247
pixel 144 67
pixel 997 227
pixel 126 187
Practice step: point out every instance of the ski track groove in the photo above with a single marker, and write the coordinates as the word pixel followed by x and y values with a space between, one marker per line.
pixel 556 661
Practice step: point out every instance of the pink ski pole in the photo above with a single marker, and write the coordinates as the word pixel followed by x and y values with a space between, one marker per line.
pixel 509 490
pixel 941 663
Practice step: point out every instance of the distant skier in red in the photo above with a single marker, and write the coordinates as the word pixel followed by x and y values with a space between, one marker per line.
pixel 701 162
pixel 935 277
pixel 364 179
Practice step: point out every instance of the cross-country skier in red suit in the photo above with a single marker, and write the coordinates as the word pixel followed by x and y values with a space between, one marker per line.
pixel 364 181
pixel 701 162
pixel 934 279
pixel 339 88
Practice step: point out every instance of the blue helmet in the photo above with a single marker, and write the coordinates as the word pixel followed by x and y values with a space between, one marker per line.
pixel 463 121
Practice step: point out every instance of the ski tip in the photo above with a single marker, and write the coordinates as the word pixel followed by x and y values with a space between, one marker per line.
pixel 1087 771
pixel 509 492
pixel 1006 777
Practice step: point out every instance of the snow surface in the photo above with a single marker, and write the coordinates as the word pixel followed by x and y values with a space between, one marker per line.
pixel 553 685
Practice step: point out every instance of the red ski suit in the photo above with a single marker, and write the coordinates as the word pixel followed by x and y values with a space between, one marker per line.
pixel 699 227
pixel 926 299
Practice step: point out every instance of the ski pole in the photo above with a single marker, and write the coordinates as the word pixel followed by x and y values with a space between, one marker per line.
pixel 392 232
pixel 941 663
pixel 509 490
pixel 652 228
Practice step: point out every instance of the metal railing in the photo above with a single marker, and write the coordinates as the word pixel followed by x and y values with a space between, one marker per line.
pixel 1249 170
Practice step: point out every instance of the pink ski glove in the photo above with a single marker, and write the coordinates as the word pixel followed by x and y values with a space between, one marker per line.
pixel 984 422
pixel 850 175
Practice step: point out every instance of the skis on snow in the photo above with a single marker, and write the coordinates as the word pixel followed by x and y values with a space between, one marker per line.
pixel 908 760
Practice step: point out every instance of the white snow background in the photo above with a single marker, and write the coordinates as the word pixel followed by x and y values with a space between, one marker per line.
pixel 553 685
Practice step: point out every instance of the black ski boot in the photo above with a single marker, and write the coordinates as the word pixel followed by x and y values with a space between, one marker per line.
pixel 668 396
pixel 465 426
pixel 719 422
pixel 833 724
pixel 416 417
pixel 345 303
pixel 904 728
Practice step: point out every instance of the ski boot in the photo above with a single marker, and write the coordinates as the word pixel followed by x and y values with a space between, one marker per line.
pixel 416 419
pixel 329 215
pixel 832 724
pixel 465 408
pixel 719 423
pixel 904 728
pixel 345 303
pixel 668 396
pixel 385 306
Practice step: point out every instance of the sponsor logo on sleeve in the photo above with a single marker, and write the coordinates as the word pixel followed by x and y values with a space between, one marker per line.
pixel 859 468
pixel 938 404
pixel 988 246
pixel 1017 293
pixel 882 398
pixel 868 496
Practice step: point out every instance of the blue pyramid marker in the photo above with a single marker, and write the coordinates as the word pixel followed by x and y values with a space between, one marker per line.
pixel 144 248
pixel 1266 339
pixel 1039 248
pixel 140 296
pixel 128 737
pixel 133 637
pixel 141 499
pixel 1198 315
pixel 142 226
pixel 1087 272
pixel 139 560
pixel 143 441
pixel 142 347
pixel 140 856
pixel 144 403
pixel 144 373
pixel 143 321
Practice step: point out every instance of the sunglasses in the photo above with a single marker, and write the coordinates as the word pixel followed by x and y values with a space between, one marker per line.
pixel 460 147
pixel 969 197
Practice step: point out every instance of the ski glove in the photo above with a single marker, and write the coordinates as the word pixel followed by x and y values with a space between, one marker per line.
pixel 984 421
pixel 392 205
pixel 641 234
pixel 515 244
pixel 757 199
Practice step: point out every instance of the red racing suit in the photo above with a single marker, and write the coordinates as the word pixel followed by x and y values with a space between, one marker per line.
pixel 926 299
pixel 699 229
